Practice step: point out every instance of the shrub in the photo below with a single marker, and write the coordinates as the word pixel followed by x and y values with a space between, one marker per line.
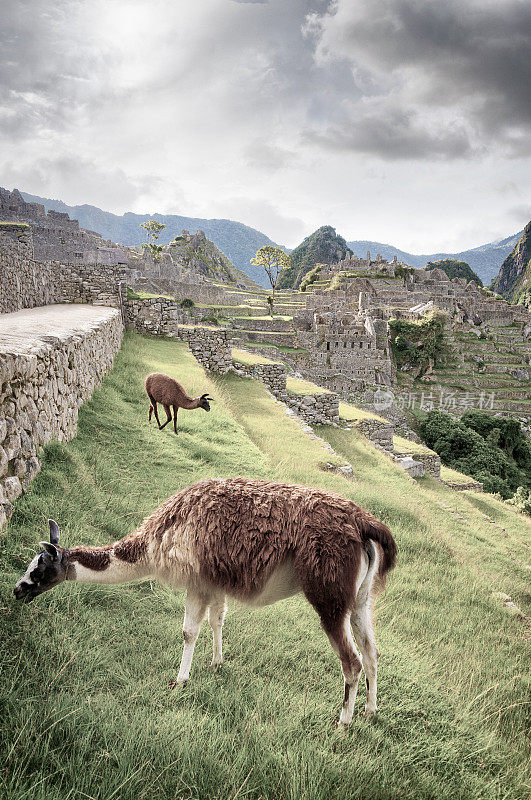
pixel 210 319
pixel 187 303
pixel 419 343
pixel 491 450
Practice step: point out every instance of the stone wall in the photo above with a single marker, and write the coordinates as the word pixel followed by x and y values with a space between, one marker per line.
pixel 27 283
pixel 380 433
pixel 42 387
pixel 157 316
pixel 23 282
pixel 211 347
pixel 316 409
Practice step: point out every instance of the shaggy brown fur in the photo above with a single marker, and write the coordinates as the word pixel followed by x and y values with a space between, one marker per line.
pixel 258 542
pixel 244 529
pixel 163 389
pixel 96 558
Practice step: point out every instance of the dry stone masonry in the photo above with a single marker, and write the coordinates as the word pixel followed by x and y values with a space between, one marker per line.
pixel 157 316
pixel 51 359
pixel 212 347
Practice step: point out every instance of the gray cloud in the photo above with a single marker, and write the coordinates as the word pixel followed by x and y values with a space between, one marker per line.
pixel 280 114
pixel 394 135
pixel 468 62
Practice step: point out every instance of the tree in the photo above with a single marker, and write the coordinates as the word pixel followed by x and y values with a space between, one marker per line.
pixel 273 260
pixel 153 228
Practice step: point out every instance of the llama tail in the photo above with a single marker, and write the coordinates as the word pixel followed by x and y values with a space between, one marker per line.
pixel 376 531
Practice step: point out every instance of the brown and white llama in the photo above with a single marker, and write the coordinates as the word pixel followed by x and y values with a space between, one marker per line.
pixel 169 393
pixel 254 541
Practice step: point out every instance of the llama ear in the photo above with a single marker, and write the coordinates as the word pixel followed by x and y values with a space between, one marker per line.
pixel 54 531
pixel 51 549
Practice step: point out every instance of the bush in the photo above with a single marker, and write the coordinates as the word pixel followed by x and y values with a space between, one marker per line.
pixel 419 343
pixel 491 450
pixel 210 319
pixel 187 303
pixel 522 500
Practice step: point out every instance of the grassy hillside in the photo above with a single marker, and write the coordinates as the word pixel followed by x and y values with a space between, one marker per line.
pixel 85 669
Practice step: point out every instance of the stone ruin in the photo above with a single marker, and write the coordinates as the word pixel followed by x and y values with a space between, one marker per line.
pixel 364 266
pixel 347 349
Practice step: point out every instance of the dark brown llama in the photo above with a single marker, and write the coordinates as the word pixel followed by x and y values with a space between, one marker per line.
pixel 169 393
pixel 254 541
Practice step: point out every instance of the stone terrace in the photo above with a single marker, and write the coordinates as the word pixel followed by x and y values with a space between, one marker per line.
pixel 51 358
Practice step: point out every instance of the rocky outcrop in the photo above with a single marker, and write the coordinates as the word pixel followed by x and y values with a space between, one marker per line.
pixel 514 278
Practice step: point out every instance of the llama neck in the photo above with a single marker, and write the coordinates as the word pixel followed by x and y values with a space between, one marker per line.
pixel 190 402
pixel 110 564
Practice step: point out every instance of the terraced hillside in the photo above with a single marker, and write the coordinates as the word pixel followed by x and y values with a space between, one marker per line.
pixel 491 373
pixel 85 670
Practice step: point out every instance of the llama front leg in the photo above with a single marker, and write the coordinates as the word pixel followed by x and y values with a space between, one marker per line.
pixel 153 407
pixel 194 613
pixel 216 615
pixel 168 416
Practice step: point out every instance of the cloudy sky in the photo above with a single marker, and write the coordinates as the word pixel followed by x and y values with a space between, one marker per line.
pixel 404 121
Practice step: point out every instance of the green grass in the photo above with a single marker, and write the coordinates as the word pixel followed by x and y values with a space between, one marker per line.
pixel 267 316
pixel 85 669
pixel 353 414
pixel 250 359
pixel 452 476
pixel 134 294
pixel 401 445
pixel 300 386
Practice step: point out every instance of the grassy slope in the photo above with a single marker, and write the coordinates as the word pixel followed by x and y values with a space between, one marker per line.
pixel 86 709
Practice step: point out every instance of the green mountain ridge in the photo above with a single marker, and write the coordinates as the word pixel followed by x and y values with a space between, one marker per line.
pixel 455 269
pixel 240 242
pixel 323 246
pixel 514 278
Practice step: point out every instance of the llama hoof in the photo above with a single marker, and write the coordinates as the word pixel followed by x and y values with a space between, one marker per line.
pixel 368 712
pixel 175 684
pixel 215 667
pixel 341 727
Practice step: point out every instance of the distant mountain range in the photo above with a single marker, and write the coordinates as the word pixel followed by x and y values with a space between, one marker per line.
pixel 237 241
pixel 485 260
pixel 240 242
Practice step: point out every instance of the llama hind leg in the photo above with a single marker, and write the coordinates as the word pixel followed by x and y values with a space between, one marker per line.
pixel 194 613
pixel 340 636
pixel 362 627
pixel 216 615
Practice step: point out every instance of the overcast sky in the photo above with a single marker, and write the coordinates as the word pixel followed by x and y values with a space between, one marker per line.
pixel 403 121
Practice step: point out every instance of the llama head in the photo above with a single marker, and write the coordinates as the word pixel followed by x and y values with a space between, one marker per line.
pixel 205 404
pixel 45 571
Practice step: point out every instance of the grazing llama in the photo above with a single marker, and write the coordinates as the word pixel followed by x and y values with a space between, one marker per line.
pixel 254 541
pixel 162 389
